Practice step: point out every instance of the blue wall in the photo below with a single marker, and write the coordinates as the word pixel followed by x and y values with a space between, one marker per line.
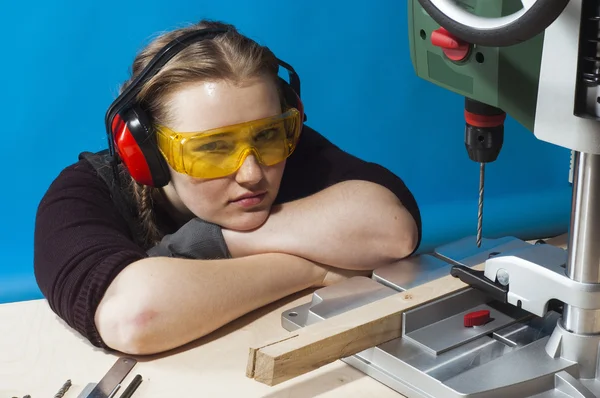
pixel 63 62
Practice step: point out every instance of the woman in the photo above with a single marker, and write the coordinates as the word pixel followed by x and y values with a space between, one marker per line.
pixel 229 204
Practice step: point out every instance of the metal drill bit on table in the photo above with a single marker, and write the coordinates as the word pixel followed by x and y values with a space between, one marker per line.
pixel 480 209
pixel 63 390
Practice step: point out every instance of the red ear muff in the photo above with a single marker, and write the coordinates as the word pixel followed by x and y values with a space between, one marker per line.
pixel 135 144
pixel 130 134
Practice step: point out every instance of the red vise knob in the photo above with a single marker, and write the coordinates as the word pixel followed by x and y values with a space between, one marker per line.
pixel 452 46
pixel 477 318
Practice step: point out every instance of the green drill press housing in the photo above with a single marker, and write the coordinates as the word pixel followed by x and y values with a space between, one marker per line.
pixel 504 77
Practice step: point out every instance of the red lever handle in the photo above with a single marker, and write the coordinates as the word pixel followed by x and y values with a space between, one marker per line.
pixel 453 47
pixel 476 318
pixel 444 39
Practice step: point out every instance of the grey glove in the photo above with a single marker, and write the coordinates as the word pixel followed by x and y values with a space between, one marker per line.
pixel 197 239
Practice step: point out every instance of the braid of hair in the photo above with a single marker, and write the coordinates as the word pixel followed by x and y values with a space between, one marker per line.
pixel 143 198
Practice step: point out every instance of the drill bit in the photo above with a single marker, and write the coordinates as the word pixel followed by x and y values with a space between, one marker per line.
pixel 480 207
pixel 63 390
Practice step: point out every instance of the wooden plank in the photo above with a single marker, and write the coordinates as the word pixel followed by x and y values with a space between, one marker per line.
pixel 309 348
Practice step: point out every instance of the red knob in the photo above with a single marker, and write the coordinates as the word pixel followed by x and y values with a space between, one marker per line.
pixel 476 318
pixel 452 46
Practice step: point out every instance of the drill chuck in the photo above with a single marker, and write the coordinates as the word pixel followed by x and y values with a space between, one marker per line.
pixel 484 143
pixel 484 132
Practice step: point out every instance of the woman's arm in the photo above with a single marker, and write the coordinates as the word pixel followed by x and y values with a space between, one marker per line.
pixel 95 276
pixel 157 304
pixel 336 209
pixel 356 225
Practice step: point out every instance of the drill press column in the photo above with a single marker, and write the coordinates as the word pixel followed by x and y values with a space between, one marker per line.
pixel 584 241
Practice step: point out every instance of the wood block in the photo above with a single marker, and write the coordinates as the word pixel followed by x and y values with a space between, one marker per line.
pixel 346 334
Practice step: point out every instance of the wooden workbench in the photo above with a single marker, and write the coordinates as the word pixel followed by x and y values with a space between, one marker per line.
pixel 39 352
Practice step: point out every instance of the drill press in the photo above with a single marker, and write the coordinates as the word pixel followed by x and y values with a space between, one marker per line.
pixel 529 324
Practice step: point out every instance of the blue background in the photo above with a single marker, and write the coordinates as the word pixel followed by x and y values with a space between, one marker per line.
pixel 64 60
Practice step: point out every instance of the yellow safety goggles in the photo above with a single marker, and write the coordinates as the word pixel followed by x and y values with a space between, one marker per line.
pixel 220 152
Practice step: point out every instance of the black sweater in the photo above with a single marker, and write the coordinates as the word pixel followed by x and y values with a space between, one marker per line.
pixel 82 242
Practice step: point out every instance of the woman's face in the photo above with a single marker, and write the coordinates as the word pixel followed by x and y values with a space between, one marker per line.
pixel 241 201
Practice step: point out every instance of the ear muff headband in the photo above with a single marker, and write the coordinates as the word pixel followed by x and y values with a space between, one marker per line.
pixel 166 53
pixel 128 126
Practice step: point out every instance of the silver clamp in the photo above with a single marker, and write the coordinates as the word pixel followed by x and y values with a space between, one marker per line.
pixel 537 274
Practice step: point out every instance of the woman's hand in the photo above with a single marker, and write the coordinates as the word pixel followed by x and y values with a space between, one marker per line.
pixel 332 275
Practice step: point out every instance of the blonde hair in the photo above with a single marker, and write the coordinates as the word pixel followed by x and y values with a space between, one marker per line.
pixel 230 56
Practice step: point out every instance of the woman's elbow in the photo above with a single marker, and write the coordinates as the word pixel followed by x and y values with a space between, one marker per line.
pixel 404 237
pixel 138 326
pixel 128 326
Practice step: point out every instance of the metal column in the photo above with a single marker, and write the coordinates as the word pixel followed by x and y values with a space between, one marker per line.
pixel 584 242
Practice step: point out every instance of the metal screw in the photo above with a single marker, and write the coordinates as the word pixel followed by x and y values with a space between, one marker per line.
pixel 503 277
